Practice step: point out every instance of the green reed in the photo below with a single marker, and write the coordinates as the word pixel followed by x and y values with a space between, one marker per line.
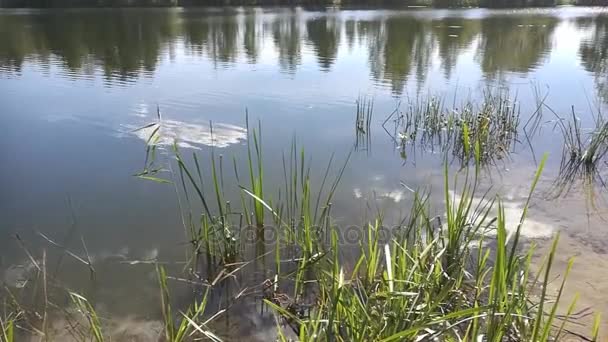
pixel 256 173
pixel 363 121
pixel 434 282
pixel 492 123
pixel 190 322
pixel 581 154
pixel 214 232
pixel 86 309
pixel 7 329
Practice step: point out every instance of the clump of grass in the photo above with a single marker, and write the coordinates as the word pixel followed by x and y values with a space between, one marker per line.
pixel 581 155
pixel 432 283
pixel 213 232
pixel 493 124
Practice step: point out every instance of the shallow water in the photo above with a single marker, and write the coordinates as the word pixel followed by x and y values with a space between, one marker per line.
pixel 74 84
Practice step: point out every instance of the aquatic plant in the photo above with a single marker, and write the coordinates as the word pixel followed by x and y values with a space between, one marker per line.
pixel 582 155
pixel 86 309
pixel 428 124
pixel 433 283
pixel 213 233
pixel 190 322
pixel 256 174
pixel 7 329
pixel 363 121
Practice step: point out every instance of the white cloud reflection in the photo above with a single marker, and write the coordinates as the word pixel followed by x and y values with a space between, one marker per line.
pixel 532 227
pixel 193 135
pixel 395 195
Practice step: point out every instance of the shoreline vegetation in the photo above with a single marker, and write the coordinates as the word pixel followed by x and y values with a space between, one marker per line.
pixel 464 275
pixel 309 4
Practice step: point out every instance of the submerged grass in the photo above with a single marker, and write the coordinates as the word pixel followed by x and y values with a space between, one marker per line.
pixel 458 277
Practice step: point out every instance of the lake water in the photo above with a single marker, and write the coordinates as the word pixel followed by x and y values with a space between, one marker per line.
pixel 74 84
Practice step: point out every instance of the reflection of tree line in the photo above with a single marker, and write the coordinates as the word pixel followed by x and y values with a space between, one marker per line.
pixel 127 43
pixel 310 3
pixel 593 52
pixel 592 2
pixel 122 43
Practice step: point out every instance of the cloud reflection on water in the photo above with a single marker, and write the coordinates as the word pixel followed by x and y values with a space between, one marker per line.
pixel 193 135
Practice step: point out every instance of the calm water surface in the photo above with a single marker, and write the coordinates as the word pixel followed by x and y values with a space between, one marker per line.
pixel 75 83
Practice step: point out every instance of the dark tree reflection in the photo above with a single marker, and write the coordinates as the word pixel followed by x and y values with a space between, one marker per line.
pixel 287 37
pixel 324 36
pixel 593 53
pixel 514 44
